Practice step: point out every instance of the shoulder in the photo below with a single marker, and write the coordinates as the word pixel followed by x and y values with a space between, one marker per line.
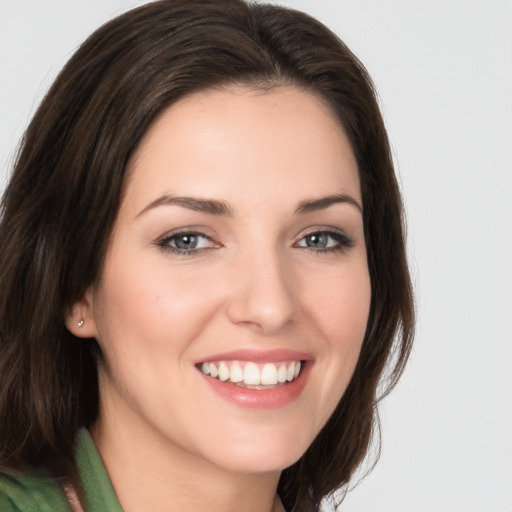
pixel 25 493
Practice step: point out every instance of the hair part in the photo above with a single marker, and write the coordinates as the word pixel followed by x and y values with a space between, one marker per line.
pixel 61 203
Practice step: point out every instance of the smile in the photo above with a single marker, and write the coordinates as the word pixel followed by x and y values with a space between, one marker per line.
pixel 253 375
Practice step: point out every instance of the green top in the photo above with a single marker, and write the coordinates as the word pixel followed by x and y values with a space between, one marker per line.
pixel 23 493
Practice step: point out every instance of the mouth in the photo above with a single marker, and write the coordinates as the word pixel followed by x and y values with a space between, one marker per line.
pixel 253 374
pixel 268 379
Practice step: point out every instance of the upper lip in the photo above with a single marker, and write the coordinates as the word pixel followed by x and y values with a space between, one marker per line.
pixel 259 356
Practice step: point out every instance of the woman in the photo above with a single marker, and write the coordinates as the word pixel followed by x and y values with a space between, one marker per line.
pixel 203 273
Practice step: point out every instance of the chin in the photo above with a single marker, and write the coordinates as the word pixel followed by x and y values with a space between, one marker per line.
pixel 264 457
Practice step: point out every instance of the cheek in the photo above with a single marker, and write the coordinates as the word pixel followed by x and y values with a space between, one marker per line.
pixel 146 323
pixel 340 309
pixel 341 306
pixel 155 307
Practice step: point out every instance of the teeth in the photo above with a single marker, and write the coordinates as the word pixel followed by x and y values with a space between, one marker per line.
pixel 270 374
pixel 213 370
pixel 223 372
pixel 281 374
pixel 252 375
pixel 236 374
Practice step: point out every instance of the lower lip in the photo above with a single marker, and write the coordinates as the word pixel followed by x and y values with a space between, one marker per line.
pixel 273 398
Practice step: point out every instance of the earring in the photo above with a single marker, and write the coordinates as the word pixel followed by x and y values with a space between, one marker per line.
pixel 79 324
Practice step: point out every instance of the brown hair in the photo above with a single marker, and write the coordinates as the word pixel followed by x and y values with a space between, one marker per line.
pixel 60 205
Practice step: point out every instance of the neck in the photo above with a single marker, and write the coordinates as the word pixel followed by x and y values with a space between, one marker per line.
pixel 172 479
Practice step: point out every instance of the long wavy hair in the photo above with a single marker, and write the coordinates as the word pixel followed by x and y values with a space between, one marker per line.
pixel 60 205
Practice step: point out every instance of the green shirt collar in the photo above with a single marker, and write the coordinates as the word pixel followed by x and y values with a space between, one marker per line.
pixel 97 489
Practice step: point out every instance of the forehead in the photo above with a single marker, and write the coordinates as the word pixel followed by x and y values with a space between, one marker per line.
pixel 236 142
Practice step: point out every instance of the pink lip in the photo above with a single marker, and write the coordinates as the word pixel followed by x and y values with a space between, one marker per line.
pixel 273 398
pixel 258 356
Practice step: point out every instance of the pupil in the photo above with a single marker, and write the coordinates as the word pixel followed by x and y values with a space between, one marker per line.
pixel 186 242
pixel 317 240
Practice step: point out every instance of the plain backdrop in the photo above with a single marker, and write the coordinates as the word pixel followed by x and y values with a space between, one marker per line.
pixel 443 69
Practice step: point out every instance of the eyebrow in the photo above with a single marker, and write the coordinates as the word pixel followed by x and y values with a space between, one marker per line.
pixel 209 206
pixel 314 205
pixel 215 207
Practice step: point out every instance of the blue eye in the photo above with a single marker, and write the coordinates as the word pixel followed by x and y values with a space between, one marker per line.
pixel 185 243
pixel 317 240
pixel 323 241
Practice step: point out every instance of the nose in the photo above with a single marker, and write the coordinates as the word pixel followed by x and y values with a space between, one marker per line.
pixel 262 293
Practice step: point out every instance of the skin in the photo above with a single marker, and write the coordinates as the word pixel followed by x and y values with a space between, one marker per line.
pixel 168 441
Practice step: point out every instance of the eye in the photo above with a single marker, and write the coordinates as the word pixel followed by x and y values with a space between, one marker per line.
pixel 326 240
pixel 186 242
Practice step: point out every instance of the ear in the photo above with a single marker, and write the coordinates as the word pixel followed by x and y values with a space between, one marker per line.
pixel 80 317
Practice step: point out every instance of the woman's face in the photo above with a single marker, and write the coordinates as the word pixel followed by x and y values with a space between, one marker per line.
pixel 237 257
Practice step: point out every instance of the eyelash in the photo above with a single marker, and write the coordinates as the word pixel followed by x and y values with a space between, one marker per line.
pixel 164 243
pixel 343 242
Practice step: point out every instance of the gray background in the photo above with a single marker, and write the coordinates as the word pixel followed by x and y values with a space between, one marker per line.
pixel 444 73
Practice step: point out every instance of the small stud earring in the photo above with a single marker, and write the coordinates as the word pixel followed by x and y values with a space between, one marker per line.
pixel 79 324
